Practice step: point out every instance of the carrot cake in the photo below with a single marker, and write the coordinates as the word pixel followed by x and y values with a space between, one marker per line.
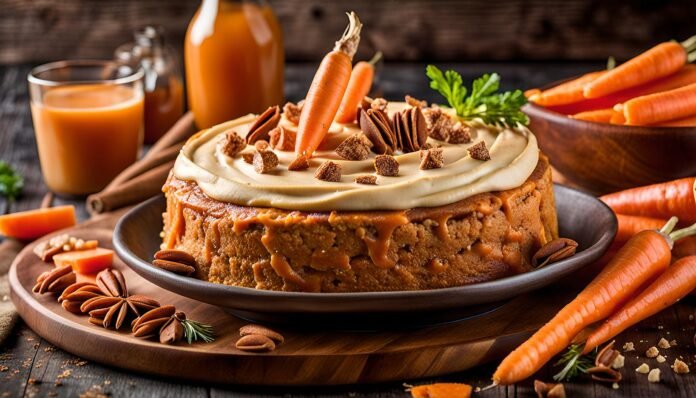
pixel 408 198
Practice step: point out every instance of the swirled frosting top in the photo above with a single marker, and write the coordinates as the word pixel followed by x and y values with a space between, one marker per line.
pixel 514 156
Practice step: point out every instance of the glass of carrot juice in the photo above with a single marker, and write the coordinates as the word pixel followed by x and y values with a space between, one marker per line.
pixel 88 120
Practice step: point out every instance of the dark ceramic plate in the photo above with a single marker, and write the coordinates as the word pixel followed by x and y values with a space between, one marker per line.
pixel 581 218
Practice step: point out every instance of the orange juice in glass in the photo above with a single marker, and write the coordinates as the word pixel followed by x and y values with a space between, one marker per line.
pixel 234 60
pixel 88 120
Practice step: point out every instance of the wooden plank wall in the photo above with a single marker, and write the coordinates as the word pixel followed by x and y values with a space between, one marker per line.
pixel 405 30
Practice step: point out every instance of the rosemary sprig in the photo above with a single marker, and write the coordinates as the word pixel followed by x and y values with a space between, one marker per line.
pixel 194 331
pixel 11 183
pixel 483 101
pixel 575 363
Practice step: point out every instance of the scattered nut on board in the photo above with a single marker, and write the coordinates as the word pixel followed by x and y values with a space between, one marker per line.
pixel 661 359
pixel 680 367
pixel 618 362
pixel 628 346
pixel 663 343
pixel 652 352
pixel 654 376
pixel 643 368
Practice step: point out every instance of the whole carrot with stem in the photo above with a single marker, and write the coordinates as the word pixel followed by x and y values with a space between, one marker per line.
pixel 662 60
pixel 642 258
pixel 671 286
pixel 661 107
pixel 327 89
pixel 631 225
pixel 661 200
pixel 359 86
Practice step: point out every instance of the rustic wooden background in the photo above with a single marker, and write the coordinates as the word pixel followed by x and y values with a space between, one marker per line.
pixel 33 31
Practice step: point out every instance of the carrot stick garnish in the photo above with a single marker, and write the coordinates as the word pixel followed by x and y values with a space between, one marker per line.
pixel 662 60
pixel 662 200
pixel 631 225
pixel 359 86
pixel 566 93
pixel 327 90
pixel 643 257
pixel 599 115
pixel 671 286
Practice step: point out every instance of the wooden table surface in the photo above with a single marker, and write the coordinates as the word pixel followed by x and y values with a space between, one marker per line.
pixel 29 366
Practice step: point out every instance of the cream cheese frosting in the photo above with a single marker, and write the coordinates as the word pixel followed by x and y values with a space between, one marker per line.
pixel 514 156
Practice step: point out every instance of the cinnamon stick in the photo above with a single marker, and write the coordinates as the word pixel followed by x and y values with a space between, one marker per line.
pixel 133 191
pixel 153 159
pixel 180 131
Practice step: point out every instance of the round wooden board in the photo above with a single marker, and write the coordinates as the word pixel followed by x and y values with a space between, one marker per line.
pixel 307 357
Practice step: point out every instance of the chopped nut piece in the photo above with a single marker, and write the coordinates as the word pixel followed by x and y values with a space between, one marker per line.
pixel 663 343
pixel 301 163
pixel 233 143
pixel 329 171
pixel 282 139
pixel 416 102
pixel 643 368
pixel 652 352
pixel 629 346
pixel 379 104
pixel 615 386
pixel 265 161
pixel 386 165
pixel 479 151
pixel 432 159
pixel 445 128
pixel 459 134
pixel 248 157
pixel 660 359
pixel 366 179
pixel 61 244
pixel 618 362
pixel 355 147
pixel 292 112
pixel 261 145
pixel 654 376
pixel 263 125
pixel 549 390
pixel 680 367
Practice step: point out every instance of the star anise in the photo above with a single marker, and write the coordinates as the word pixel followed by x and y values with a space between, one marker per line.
pixel 55 281
pixel 74 295
pixel 115 306
pixel 164 322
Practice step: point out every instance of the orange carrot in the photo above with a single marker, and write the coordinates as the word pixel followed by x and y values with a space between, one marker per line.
pixel 631 225
pixel 662 200
pixel 599 115
pixel 28 225
pixel 531 92
pixel 684 247
pixel 566 93
pixel 327 90
pixel 359 86
pixel 442 390
pixel 643 257
pixel 662 60
pixel 617 116
pixel 671 286
pixel 661 107
pixel 684 77
pixel 685 122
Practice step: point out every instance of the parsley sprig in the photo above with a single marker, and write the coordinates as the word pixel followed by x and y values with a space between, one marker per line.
pixel 11 183
pixel 484 101
pixel 575 363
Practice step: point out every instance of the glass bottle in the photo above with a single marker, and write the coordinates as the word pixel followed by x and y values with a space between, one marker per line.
pixel 164 90
pixel 234 60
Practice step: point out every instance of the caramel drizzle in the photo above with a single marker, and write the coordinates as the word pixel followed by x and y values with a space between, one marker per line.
pixel 176 229
pixel 325 259
pixel 442 229
pixel 378 247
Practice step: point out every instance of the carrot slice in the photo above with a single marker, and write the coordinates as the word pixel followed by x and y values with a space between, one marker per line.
pixel 599 115
pixel 442 390
pixel 662 200
pixel 662 60
pixel 32 224
pixel 671 286
pixel 86 261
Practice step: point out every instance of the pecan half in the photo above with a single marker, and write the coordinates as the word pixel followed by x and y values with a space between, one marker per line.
pixel 293 112
pixel 263 125
pixel 173 330
pixel 256 343
pixel 112 283
pixel 55 281
pixel 549 390
pixel 410 129
pixel 178 256
pixel 74 295
pixel 258 329
pixel 153 323
pixel 605 374
pixel 379 129
pixel 174 267
pixel 283 139
pixel 556 250
pixel 113 311
pixel 606 356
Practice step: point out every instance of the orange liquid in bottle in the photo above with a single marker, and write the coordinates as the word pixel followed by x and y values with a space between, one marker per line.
pixel 87 134
pixel 163 107
pixel 238 69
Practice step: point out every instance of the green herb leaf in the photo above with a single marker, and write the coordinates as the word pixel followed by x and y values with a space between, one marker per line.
pixel 483 102
pixel 11 183
pixel 194 331
pixel 575 363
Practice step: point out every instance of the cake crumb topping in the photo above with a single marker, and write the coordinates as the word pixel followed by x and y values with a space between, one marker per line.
pixel 293 111
pixel 386 165
pixel 415 102
pixel 329 171
pixel 432 159
pixel 301 163
pixel 265 161
pixel 366 179
pixel 479 151
pixel 282 139
pixel 233 143
pixel 355 147
pixel 248 157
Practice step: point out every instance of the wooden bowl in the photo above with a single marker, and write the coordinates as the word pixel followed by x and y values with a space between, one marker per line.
pixel 581 217
pixel 603 158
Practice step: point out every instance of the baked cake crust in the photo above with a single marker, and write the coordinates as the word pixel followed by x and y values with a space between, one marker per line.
pixel 480 238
